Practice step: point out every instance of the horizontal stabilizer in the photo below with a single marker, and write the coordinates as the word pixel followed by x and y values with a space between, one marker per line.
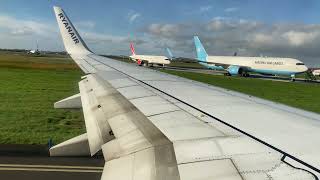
pixel 77 146
pixel 72 102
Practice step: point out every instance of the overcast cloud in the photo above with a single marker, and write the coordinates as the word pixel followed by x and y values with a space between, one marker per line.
pixel 224 36
pixel 220 36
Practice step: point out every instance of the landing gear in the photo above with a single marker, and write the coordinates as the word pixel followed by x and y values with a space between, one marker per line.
pixel 293 77
pixel 245 74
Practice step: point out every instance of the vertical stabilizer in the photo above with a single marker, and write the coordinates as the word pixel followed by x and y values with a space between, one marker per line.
pixel 73 43
pixel 133 53
pixel 201 52
pixel 170 53
pixel 132 49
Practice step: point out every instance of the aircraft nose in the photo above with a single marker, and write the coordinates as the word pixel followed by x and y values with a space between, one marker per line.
pixel 304 68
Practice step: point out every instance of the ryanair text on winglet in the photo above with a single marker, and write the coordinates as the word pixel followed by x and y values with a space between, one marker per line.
pixel 69 28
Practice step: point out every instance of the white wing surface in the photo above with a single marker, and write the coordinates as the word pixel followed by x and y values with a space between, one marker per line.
pixel 151 125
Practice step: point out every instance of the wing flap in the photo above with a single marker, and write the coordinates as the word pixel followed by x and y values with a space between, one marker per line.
pixel 149 164
pixel 222 169
pixel 98 129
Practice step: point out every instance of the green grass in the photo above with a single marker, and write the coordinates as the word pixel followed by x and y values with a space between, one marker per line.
pixel 27 95
pixel 304 96
pixel 29 85
pixel 22 60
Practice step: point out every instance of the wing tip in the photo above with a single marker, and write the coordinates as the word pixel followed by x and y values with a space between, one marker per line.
pixel 56 8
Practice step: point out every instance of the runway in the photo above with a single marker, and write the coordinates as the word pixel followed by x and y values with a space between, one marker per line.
pixel 37 165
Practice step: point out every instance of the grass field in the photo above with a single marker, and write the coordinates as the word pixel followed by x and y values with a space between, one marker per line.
pixel 21 60
pixel 304 96
pixel 29 87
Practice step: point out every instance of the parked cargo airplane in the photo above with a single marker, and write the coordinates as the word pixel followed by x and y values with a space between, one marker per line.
pixel 147 60
pixel 237 65
pixel 151 125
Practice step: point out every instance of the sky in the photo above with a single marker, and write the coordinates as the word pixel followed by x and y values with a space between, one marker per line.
pixel 286 28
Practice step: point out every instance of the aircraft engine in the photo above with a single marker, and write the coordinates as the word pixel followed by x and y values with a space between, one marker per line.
pixel 234 70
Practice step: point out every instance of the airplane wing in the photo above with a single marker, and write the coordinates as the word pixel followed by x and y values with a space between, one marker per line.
pixel 152 125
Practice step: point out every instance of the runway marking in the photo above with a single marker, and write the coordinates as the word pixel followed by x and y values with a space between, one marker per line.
pixel 50 168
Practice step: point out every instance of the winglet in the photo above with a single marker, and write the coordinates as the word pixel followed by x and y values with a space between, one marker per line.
pixel 201 52
pixel 73 43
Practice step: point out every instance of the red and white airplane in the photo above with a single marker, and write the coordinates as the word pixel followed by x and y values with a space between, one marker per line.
pixel 148 60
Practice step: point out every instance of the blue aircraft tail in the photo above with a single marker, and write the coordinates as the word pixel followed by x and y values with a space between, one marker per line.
pixel 201 52
pixel 170 54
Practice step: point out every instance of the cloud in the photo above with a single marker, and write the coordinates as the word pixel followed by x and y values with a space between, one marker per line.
pixel 23 33
pixel 220 36
pixel 104 43
pixel 224 36
pixel 297 38
pixel 260 38
pixel 22 27
pixel 85 24
pixel 218 23
pixel 102 38
pixel 132 16
pixel 231 9
pixel 205 8
pixel 165 30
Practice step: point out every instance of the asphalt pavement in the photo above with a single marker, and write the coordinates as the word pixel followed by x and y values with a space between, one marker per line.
pixel 31 162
